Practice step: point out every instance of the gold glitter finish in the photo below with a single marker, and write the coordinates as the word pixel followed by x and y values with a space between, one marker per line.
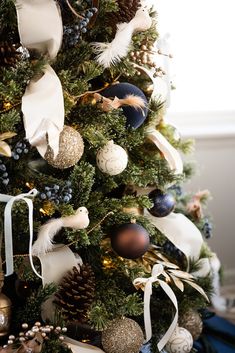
pixel 122 336
pixel 192 322
pixel 70 151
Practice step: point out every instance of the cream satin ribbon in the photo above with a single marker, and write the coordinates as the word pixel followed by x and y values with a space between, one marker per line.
pixel 8 228
pixel 180 231
pixel 40 28
pixel 43 109
pixel 40 25
pixel 147 283
pixel 79 347
pixel 170 153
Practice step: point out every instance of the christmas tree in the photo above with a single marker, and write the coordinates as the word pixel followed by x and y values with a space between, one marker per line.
pixel 99 242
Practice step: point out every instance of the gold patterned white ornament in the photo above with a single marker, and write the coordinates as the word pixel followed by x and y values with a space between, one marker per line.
pixel 112 159
pixel 181 341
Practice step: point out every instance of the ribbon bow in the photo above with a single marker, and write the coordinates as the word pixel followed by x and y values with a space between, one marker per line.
pixel 8 228
pixel 146 285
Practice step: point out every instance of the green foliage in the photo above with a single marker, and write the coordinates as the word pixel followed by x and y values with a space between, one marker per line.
pixel 31 311
pixel 105 196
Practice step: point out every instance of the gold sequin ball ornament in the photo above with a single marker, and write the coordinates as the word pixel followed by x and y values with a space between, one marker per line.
pixel 180 341
pixel 122 336
pixel 191 321
pixel 71 148
pixel 112 159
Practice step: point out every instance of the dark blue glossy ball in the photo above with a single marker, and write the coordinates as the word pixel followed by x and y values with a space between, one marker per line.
pixel 134 117
pixel 163 203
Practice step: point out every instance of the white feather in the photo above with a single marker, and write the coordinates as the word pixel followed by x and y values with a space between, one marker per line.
pixel 110 53
pixel 44 242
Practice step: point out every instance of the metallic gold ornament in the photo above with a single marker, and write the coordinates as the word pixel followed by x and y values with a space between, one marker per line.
pixel 122 336
pixel 137 211
pixel 191 321
pixel 5 314
pixel 70 151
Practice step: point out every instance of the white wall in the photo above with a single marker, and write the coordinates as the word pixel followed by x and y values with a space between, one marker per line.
pixel 215 157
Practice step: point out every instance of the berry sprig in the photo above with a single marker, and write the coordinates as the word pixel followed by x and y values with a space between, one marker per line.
pixel 73 33
pixel 207 229
pixel 21 148
pixel 56 193
pixel 3 173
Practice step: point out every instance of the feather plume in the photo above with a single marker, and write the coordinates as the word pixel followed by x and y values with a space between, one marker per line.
pixel 111 53
pixel 134 101
pixel 44 242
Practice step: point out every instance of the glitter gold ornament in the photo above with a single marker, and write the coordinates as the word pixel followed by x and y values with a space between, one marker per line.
pixel 71 148
pixel 191 321
pixel 181 341
pixel 122 336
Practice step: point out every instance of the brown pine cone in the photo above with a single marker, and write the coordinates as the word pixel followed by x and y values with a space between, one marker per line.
pixel 76 293
pixel 8 54
pixel 126 12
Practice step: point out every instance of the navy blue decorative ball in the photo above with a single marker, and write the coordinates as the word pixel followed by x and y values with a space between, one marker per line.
pixel 134 117
pixel 130 240
pixel 163 203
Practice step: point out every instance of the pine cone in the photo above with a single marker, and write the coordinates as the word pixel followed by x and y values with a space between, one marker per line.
pixel 126 12
pixel 76 293
pixel 8 54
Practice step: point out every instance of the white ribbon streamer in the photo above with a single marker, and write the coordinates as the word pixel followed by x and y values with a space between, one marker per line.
pixel 79 347
pixel 157 270
pixel 40 25
pixel 40 28
pixel 8 228
pixel 180 231
pixel 43 109
pixel 170 153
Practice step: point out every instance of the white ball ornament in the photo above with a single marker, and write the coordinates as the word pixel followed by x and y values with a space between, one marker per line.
pixel 112 159
pixel 181 341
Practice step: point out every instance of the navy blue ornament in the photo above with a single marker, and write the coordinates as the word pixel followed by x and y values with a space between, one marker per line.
pixel 134 117
pixel 163 203
pixel 130 240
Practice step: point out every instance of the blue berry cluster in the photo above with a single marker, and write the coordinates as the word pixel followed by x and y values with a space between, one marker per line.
pixel 3 173
pixel 21 148
pixel 57 194
pixel 170 249
pixel 207 229
pixel 73 33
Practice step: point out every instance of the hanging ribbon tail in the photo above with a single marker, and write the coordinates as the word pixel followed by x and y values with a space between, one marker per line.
pixel 40 25
pixel 180 231
pixel 44 124
pixel 79 347
pixel 160 89
pixel 170 153
pixel 8 228
pixel 146 285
